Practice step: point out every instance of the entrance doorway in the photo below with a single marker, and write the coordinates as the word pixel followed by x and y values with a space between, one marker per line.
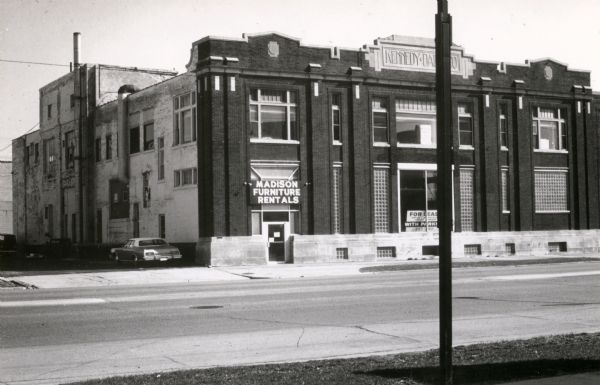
pixel 276 241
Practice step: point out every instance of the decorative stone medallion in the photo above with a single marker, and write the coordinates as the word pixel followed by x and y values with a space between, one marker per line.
pixel 273 49
pixel 548 72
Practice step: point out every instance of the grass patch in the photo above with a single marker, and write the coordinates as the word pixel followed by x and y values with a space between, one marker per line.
pixel 435 265
pixel 474 364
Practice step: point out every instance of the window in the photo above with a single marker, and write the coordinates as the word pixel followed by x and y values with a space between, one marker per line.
pixel 148 136
pixel 134 140
pixel 338 201
pixel 386 252
pixel 49 111
pixel 549 129
pixel 273 115
pixel 415 123
pixel 49 158
pixel 97 149
pixel 108 145
pixel 505 191
pixel 161 158
pixel 341 253
pixel 37 152
pixel 336 118
pixel 465 125
pixel 503 126
pixel 381 196
pixel 551 191
pixel 380 121
pixel 70 149
pixel 162 230
pixel 27 154
pixel 467 217
pixel 188 176
pixel 184 107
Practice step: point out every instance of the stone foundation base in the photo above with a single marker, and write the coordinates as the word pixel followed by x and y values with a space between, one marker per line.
pixel 228 251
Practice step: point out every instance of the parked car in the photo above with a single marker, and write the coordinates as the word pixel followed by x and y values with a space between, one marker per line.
pixel 145 249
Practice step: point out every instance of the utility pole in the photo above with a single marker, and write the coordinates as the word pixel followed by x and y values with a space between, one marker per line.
pixel 443 42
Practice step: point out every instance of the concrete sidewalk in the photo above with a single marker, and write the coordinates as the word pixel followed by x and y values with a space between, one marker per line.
pixel 172 275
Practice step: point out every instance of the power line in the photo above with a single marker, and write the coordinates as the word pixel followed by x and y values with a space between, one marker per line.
pixel 33 62
pixel 26 132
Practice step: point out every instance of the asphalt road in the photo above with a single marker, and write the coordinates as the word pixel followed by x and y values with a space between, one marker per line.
pixel 62 335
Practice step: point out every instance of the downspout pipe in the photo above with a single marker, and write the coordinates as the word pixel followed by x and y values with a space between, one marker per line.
pixel 123 132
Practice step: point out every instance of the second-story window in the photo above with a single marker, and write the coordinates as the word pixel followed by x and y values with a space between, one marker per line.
pixel 336 118
pixel 503 126
pixel 49 155
pixel 49 111
pixel 465 125
pixel 148 136
pixel 415 123
pixel 184 108
pixel 273 115
pixel 108 144
pixel 134 140
pixel 380 121
pixel 549 129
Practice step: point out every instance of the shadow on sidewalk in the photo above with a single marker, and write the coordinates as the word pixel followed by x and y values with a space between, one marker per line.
pixel 492 373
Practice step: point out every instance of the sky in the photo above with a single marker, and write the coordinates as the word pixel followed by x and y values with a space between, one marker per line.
pixel 159 34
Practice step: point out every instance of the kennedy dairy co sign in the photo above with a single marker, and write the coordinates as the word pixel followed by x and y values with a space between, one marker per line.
pixel 415 54
pixel 274 192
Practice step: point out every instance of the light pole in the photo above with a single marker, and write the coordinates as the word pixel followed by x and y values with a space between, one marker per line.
pixel 443 42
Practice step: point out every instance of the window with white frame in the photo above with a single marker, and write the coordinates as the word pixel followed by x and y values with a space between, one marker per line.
pixel 467 190
pixel 549 129
pixel 380 121
pixel 149 136
pixel 273 115
pixel 415 123
pixel 185 177
pixel 465 125
pixel 381 199
pixel 184 119
pixel 504 185
pixel 338 202
pixel 503 125
pixel 336 118
pixel 551 191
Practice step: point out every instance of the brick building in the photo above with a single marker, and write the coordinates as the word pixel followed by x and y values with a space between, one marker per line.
pixel 270 150
pixel 6 206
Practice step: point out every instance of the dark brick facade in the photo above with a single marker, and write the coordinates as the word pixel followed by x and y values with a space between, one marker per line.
pixel 226 151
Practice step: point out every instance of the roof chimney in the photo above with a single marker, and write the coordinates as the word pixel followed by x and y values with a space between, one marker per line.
pixel 76 48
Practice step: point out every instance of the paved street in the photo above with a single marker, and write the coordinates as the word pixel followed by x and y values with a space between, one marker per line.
pixel 61 335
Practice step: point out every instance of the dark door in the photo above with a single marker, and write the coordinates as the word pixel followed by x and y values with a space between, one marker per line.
pixel 136 220
pixel 276 243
